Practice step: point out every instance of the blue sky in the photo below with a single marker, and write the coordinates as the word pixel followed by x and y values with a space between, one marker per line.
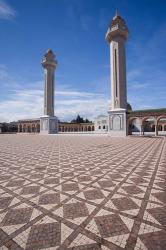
pixel 75 31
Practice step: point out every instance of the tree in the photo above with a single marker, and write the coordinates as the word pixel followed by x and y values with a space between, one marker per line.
pixel 80 119
pixel 87 121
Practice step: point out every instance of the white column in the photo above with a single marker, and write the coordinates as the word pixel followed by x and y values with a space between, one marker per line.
pixel 156 130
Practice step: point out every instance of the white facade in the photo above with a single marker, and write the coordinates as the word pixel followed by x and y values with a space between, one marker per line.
pixel 101 123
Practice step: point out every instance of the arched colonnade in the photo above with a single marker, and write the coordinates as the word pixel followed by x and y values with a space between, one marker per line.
pixel 147 124
pixel 29 127
pixel 76 127
pixel 33 126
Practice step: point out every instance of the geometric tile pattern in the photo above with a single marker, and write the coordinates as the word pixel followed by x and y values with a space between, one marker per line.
pixel 82 192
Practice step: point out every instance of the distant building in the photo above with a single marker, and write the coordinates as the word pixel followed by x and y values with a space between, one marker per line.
pixel 101 123
pixel 138 121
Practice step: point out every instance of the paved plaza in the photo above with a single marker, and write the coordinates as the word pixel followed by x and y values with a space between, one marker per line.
pixel 82 192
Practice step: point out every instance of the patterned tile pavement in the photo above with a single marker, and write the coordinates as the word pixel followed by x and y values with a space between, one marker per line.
pixel 82 192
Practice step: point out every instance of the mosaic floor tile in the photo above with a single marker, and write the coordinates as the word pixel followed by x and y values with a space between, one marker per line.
pixel 111 225
pixel 17 216
pixel 82 192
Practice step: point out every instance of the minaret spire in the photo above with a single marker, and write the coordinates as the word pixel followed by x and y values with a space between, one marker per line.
pixel 117 12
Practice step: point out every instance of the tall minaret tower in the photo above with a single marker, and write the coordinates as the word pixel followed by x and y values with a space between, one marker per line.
pixel 49 122
pixel 49 64
pixel 116 36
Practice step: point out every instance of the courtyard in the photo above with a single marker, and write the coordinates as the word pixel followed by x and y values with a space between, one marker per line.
pixel 82 192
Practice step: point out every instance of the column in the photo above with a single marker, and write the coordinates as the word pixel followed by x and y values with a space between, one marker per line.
pixel 116 36
pixel 49 122
pixel 49 64
pixel 18 128
pixel 141 129
pixel 156 130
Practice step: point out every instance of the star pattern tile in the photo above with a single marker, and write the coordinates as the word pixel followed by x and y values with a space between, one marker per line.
pixel 82 192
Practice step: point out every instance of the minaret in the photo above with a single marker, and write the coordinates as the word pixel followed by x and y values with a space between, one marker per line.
pixel 49 122
pixel 49 64
pixel 116 36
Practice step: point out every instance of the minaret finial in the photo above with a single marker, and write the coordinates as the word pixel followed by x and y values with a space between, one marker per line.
pixel 117 12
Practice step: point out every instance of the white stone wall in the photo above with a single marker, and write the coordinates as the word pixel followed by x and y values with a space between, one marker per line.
pixel 101 123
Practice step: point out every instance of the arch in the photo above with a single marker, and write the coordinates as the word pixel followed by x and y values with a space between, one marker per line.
pixel 135 117
pixel 161 123
pixel 33 128
pixel 28 128
pixel 153 128
pixel 161 117
pixel 148 122
pixel 135 125
pixel 38 128
pixel 24 128
pixel 129 123
pixel 144 119
pixel 93 128
pixel 159 127
pixel 20 128
pixel 89 128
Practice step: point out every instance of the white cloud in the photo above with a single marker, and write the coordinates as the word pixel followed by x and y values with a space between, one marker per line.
pixel 20 100
pixel 69 103
pixel 77 94
pixel 21 104
pixel 6 11
pixel 24 104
